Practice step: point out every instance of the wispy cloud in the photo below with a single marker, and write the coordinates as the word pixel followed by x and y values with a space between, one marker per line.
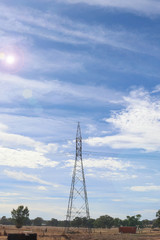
pixel 135 124
pixel 21 176
pixel 108 163
pixel 22 151
pixel 111 168
pixel 9 194
pixel 147 7
pixel 117 176
pixel 42 188
pixel 20 141
pixel 33 92
pixel 145 188
pixel 56 28
pixel 54 61
pixel 138 200
pixel 117 200
pixel 111 176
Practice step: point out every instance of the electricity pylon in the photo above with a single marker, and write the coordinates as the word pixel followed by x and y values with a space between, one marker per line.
pixel 78 201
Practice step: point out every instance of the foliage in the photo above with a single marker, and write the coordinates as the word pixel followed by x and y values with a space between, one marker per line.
pixel 62 223
pixel 20 216
pixel 38 221
pixel 77 222
pixel 157 222
pixel 146 223
pixel 91 222
pixel 82 222
pixel 117 222
pixel 53 222
pixel 6 221
pixel 132 221
pixel 104 222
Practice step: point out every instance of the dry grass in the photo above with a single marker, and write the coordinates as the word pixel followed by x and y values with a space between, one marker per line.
pixel 57 233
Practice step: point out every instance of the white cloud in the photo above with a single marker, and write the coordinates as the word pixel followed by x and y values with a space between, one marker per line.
pixel 21 176
pixel 3 127
pixel 117 200
pixel 42 188
pixel 111 168
pixel 135 124
pixel 69 145
pixel 148 200
pixel 108 163
pixel 91 129
pixel 21 151
pixel 137 200
pixel 111 175
pixel 117 176
pixel 145 188
pixel 156 89
pixel 8 194
pixel 148 7
pixel 24 158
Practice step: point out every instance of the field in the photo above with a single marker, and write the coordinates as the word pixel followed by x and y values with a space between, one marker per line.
pixel 57 233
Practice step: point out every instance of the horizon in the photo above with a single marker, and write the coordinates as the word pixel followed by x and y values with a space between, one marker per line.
pixel 93 62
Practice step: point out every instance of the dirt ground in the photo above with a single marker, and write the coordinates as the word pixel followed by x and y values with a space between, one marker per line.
pixel 57 233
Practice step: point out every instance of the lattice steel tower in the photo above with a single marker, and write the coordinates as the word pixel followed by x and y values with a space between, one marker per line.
pixel 78 201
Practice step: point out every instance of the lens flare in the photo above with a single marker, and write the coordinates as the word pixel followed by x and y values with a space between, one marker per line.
pixel 27 93
pixel 2 56
pixel 10 59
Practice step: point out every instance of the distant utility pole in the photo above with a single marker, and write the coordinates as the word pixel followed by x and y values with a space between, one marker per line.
pixel 78 201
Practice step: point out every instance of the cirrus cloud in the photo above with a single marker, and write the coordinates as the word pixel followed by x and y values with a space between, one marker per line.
pixel 147 7
pixel 145 188
pixel 21 176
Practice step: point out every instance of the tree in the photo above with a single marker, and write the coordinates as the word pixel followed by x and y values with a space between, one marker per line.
pixel 146 223
pixel 155 223
pixel 117 222
pixel 90 223
pixel 20 216
pixel 104 222
pixel 53 222
pixel 4 221
pixel 158 218
pixel 38 221
pixel 62 223
pixel 77 222
pixel 132 221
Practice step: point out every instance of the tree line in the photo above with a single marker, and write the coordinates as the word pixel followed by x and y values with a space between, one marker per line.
pixel 20 217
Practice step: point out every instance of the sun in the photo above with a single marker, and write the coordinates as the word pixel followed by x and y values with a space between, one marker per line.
pixel 10 59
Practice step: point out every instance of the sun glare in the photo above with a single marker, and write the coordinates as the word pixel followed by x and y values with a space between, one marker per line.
pixel 10 59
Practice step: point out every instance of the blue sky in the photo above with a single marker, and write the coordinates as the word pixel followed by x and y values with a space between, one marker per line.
pixel 92 61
